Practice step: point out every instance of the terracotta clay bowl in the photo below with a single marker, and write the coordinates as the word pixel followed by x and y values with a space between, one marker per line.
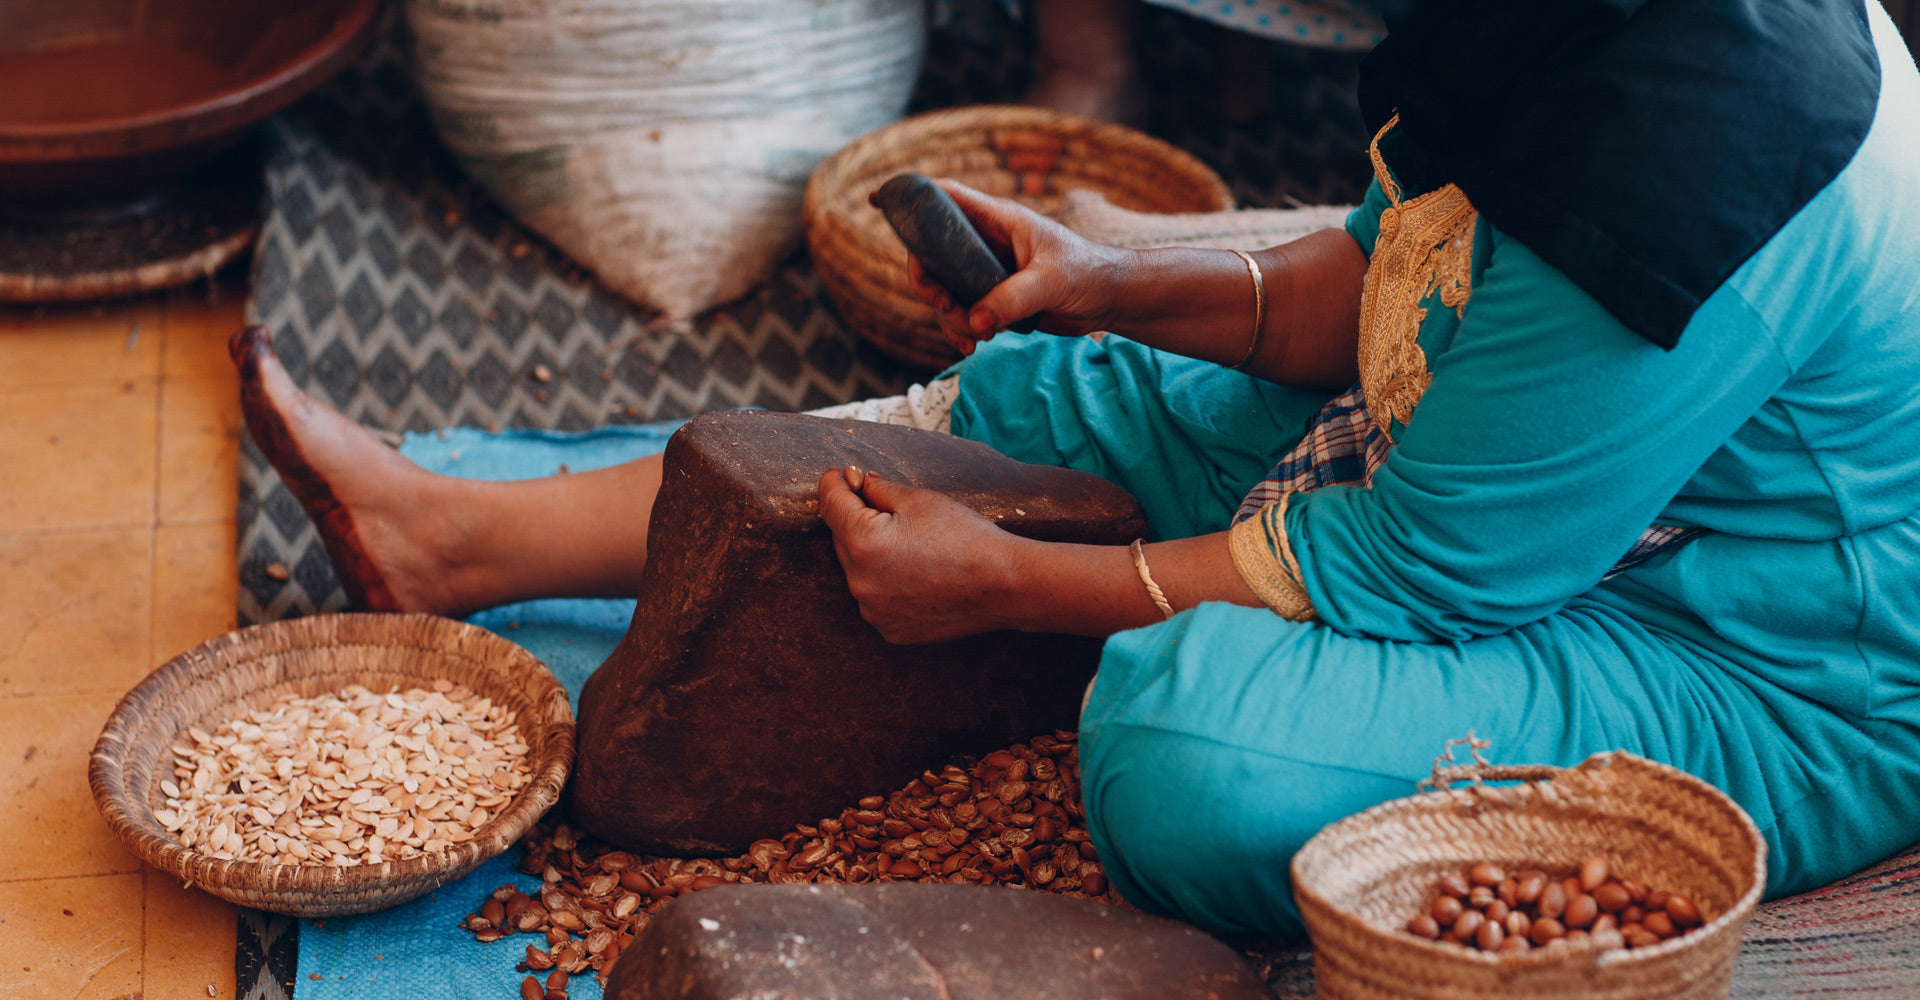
pixel 112 97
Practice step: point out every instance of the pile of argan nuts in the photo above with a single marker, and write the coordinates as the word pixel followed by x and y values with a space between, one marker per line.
pixel 346 778
pixel 1488 909
pixel 1011 818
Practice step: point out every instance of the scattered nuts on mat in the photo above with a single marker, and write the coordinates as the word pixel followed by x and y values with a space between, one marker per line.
pixel 346 779
pixel 1011 818
pixel 1488 909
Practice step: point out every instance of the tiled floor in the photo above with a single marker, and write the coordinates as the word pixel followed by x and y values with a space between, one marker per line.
pixel 119 432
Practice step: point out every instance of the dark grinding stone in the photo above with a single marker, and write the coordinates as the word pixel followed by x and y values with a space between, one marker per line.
pixel 748 695
pixel 909 941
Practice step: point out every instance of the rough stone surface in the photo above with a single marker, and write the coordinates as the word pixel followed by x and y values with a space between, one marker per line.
pixel 748 695
pixel 909 941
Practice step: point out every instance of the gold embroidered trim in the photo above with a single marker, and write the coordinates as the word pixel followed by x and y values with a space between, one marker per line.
pixel 1265 560
pixel 1425 246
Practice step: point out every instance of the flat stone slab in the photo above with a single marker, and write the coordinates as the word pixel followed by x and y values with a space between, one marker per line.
pixel 748 694
pixel 920 941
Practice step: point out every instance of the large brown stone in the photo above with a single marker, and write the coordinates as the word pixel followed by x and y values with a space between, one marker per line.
pixel 913 941
pixel 748 695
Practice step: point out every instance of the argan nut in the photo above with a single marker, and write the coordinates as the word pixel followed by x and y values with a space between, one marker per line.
pixel 1509 892
pixel 1636 891
pixel 1577 936
pixel 1661 924
pixel 1497 911
pixel 1612 897
pixel 1468 925
pixel 1424 926
pixel 1632 915
pixel 1581 910
pixel 537 958
pixel 1519 924
pixel 1486 873
pixel 1481 897
pixel 1515 943
pixel 1547 929
pixel 1640 937
pixel 1447 909
pixel 1456 885
pixel 1608 939
pixel 1093 884
pixel 530 989
pixel 1682 910
pixel 1553 900
pixel 1656 899
pixel 556 980
pixel 1604 922
pixel 1528 890
pixel 1489 936
pixel 1594 873
pixel 494 911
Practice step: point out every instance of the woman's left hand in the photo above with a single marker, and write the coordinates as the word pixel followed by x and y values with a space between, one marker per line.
pixel 923 566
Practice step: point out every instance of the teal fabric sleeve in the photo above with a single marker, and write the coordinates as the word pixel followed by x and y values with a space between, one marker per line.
pixel 1363 223
pixel 1550 437
pixel 1186 437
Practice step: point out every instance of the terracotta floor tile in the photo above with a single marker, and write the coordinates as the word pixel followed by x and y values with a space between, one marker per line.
pixel 186 927
pixel 197 329
pixel 49 827
pixel 194 586
pixel 199 448
pixel 190 982
pixel 79 344
pixel 79 455
pixel 70 937
pixel 74 611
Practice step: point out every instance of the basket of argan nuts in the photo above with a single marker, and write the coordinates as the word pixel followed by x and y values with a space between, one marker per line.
pixel 1617 878
pixel 334 764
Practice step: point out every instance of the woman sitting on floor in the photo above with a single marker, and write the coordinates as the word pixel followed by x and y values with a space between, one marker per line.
pixel 1631 457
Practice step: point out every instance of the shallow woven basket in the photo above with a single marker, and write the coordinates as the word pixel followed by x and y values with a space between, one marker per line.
pixel 240 671
pixel 1359 881
pixel 1031 154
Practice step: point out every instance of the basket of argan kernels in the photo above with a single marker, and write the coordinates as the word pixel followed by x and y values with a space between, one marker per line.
pixel 1618 878
pixel 334 764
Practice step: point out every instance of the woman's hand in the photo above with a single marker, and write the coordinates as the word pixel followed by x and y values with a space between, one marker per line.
pixel 924 567
pixel 1069 285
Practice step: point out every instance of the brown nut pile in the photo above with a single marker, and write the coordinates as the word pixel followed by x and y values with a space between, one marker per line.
pixel 1011 818
pixel 1488 909
pixel 346 778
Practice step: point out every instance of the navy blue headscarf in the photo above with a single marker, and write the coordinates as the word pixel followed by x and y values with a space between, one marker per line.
pixel 1646 148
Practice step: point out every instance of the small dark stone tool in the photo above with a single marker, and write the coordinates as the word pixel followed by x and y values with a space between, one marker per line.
pixel 940 236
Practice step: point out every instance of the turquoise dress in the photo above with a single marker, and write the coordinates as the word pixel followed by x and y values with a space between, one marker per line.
pixel 1777 655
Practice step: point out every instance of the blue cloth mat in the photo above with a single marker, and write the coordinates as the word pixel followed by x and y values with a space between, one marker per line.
pixel 417 950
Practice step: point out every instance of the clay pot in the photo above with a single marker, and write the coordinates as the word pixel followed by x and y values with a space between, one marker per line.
pixel 108 98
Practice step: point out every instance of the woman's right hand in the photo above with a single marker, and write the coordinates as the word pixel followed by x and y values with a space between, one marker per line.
pixel 1067 284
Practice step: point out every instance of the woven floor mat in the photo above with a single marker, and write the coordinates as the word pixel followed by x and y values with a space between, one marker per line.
pixel 404 297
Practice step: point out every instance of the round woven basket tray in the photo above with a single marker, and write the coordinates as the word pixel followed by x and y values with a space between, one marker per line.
pixel 1030 154
pixel 1359 881
pixel 244 670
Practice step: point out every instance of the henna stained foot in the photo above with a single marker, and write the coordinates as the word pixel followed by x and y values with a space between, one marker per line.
pixel 374 509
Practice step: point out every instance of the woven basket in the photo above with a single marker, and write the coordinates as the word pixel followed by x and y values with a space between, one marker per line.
pixel 244 670
pixel 1030 154
pixel 1359 881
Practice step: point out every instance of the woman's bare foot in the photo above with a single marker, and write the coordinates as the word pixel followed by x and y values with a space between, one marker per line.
pixel 1084 59
pixel 390 541
pixel 1104 95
